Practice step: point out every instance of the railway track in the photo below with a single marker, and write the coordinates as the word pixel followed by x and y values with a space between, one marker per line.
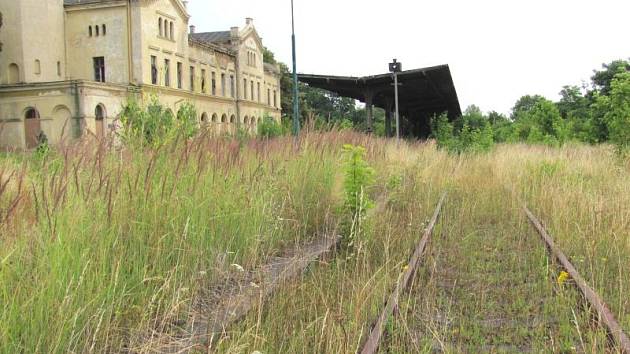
pixel 492 289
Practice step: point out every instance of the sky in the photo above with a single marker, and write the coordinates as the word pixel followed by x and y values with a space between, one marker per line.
pixel 497 50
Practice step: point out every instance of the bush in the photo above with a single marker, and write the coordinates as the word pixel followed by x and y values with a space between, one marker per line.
pixel 358 178
pixel 155 125
pixel 615 109
pixel 473 136
pixel 269 128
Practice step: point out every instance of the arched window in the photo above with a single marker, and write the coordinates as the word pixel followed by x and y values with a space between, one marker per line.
pixel 224 119
pixel 99 112
pixel 31 113
pixel 214 118
pixel 104 30
pixel 97 30
pixel 38 67
pixel 259 120
pixel 204 118
pixel 14 73
pixel 172 31
pixel 246 120
pixel 90 31
pixel 160 26
pixel 233 119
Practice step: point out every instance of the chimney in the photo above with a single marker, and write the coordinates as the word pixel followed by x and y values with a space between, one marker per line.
pixel 234 32
pixel 192 29
pixel 249 21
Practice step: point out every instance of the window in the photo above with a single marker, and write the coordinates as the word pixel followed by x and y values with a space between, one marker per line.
pixel 203 80
pixel 275 101
pixel 14 73
pixel 104 30
pixel 232 86
pixel 192 78
pixel 97 29
pixel 99 69
pixel 172 31
pixel 244 89
pixel 58 68
pixel 251 91
pixel 223 85
pixel 167 72
pixel 179 75
pixel 214 84
pixel 38 67
pixel 154 70
pixel 90 31
pixel 160 27
pixel 268 97
pixel 259 100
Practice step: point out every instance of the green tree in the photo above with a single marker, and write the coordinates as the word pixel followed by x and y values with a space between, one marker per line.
pixel 615 109
pixel 541 123
pixel 602 79
pixel 524 105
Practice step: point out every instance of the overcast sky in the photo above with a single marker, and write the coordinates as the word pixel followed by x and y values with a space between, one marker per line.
pixel 498 50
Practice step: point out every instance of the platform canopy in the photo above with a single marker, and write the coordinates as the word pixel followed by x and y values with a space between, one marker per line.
pixel 422 93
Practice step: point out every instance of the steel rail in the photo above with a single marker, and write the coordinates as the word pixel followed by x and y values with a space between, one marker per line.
pixel 371 344
pixel 603 312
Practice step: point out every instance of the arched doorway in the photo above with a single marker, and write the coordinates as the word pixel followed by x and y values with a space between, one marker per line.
pixel 204 120
pixel 99 117
pixel 32 128
pixel 62 118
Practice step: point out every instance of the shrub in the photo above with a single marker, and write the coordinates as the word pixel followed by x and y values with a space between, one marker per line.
pixel 358 178
pixel 270 128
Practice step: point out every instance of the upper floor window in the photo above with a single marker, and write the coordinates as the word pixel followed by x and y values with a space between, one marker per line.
pixel 259 99
pixel 244 89
pixel 90 31
pixel 38 67
pixel 179 75
pixel 172 31
pixel 104 30
pixel 203 80
pixel 232 86
pixel 251 91
pixel 167 72
pixel 223 85
pixel 154 70
pixel 192 78
pixel 214 84
pixel 97 30
pixel 268 97
pixel 160 27
pixel 99 69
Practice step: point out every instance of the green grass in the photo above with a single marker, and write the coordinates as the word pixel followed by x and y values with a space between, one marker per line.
pixel 101 248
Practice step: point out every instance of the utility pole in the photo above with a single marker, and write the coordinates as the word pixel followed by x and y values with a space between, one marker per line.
pixel 296 104
pixel 395 67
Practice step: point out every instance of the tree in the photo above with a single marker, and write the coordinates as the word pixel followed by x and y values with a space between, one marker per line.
pixel 615 109
pixel 541 123
pixel 524 105
pixel 602 79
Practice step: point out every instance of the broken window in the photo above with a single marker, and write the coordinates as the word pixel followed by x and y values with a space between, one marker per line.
pixel 99 69
pixel 154 70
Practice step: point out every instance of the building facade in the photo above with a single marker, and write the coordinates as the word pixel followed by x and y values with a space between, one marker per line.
pixel 68 67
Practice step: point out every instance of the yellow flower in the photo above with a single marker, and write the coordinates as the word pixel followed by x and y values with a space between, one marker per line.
pixel 562 278
pixel 405 267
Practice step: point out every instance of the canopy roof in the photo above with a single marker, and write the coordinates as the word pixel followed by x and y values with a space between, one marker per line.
pixel 422 92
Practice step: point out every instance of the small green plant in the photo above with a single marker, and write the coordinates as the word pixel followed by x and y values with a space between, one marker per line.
pixel 464 135
pixel 358 178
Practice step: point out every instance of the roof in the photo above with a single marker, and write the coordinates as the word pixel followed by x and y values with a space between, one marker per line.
pixel 422 92
pixel 212 37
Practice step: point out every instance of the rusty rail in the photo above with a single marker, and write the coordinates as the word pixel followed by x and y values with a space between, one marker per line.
pixel 373 341
pixel 603 312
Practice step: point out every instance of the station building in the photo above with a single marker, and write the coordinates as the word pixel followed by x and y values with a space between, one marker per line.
pixel 67 68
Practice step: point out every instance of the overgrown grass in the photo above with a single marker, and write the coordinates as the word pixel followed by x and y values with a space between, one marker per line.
pixel 102 247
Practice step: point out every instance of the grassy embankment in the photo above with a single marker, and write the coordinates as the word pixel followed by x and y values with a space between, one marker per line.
pixel 99 248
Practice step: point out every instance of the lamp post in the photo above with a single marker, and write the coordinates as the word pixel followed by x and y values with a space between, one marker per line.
pixel 296 104
pixel 395 67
